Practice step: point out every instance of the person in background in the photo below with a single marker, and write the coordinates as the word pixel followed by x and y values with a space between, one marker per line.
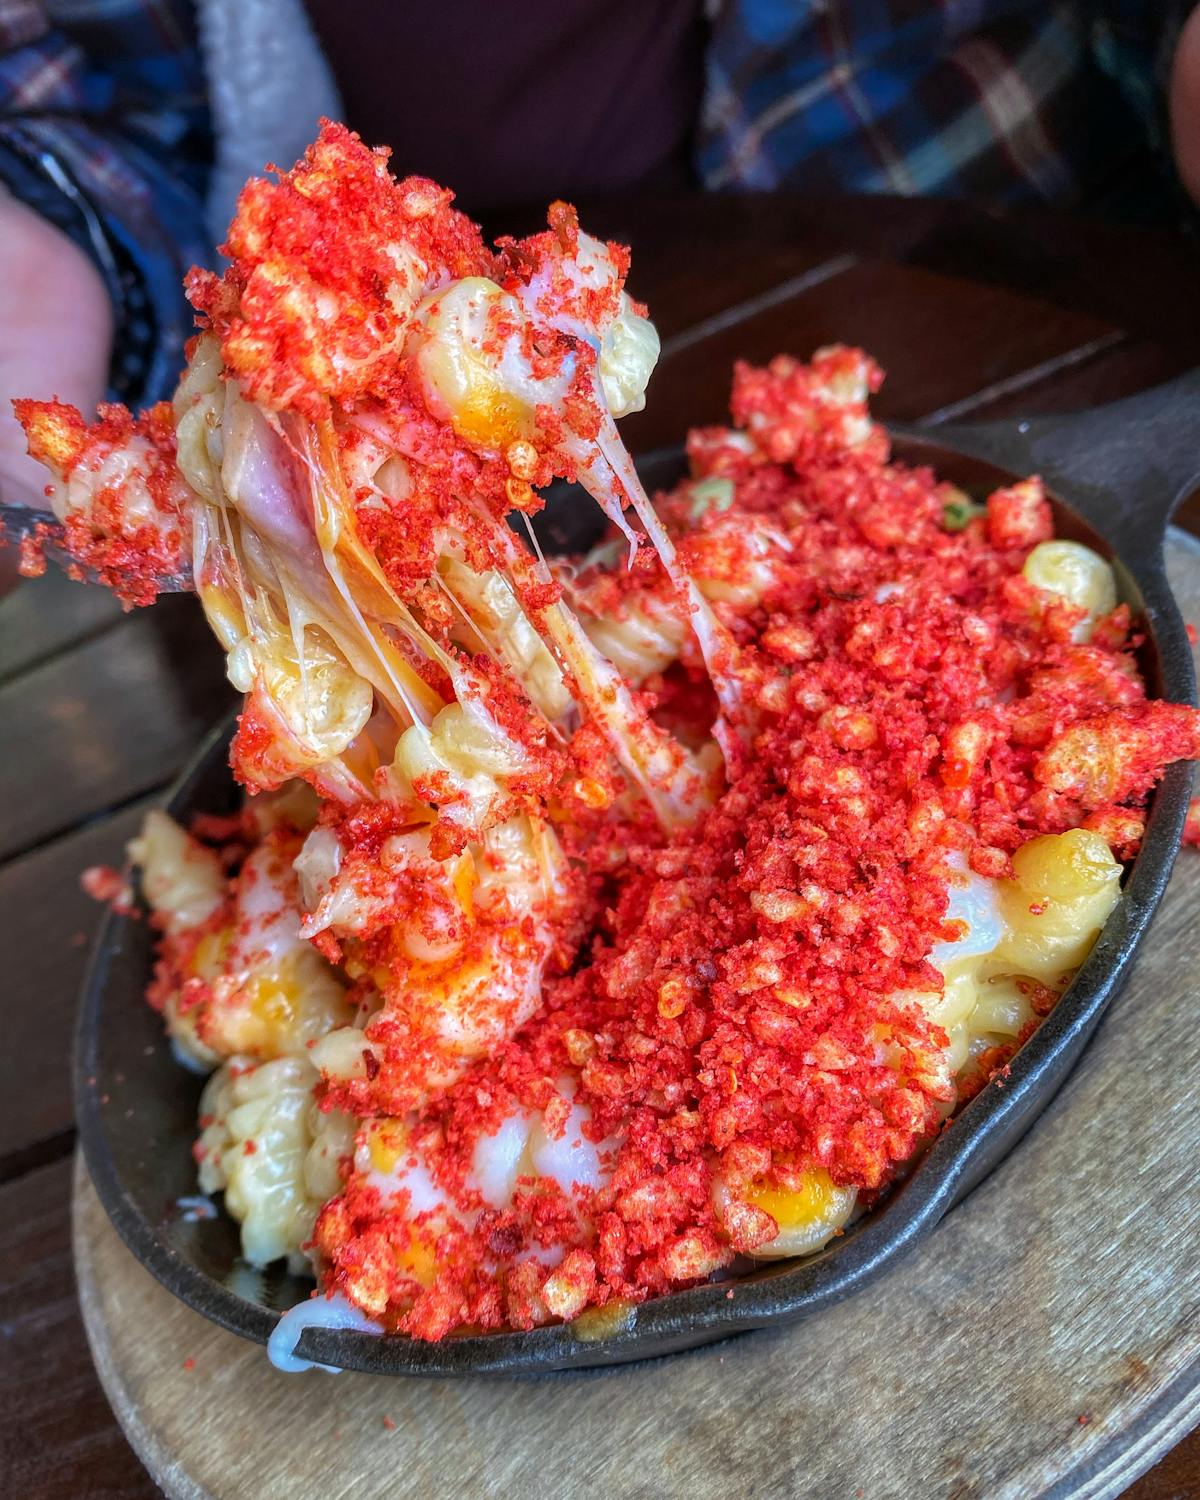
pixel 127 126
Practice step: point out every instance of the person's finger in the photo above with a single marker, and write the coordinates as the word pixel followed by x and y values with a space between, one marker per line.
pixel 57 335
pixel 1185 105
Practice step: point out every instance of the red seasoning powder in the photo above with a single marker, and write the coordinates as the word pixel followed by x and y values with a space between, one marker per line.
pixel 741 1000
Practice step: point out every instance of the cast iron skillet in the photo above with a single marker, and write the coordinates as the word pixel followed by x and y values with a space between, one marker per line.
pixel 1116 474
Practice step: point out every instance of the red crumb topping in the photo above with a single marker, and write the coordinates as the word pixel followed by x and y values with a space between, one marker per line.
pixel 106 884
pixel 102 882
pixel 123 497
pixel 326 264
pixel 741 1011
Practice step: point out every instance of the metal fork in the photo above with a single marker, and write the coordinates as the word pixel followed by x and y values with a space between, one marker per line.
pixel 20 522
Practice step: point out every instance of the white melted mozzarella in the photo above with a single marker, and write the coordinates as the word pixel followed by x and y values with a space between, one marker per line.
pixel 570 1159
pixel 496 1162
pixel 189 1060
pixel 973 903
pixel 268 925
pixel 195 1208
pixel 412 1177
pixel 319 1312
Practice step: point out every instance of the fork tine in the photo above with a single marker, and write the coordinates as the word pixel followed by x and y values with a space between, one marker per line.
pixel 20 523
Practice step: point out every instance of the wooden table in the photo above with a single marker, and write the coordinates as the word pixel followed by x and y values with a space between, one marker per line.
pixel 971 314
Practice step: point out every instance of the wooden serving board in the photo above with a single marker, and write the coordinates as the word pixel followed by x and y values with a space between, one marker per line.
pixel 1044 1341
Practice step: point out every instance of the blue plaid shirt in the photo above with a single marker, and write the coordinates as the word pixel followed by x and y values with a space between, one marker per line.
pixel 104 125
pixel 104 130
pixel 1006 100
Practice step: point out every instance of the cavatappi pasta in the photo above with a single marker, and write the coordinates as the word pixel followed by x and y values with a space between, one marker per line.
pixel 594 925
pixel 237 976
pixel 276 1188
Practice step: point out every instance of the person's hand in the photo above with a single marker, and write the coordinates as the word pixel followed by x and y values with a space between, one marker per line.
pixel 1185 105
pixel 56 337
pixel 55 340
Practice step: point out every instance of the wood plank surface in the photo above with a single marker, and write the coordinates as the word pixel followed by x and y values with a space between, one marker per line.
pixel 118 728
pixel 47 615
pixel 46 926
pixel 1131 279
pixel 718 253
pixel 1129 364
pixel 58 1440
pixel 940 339
pixel 1044 1340
pixel 93 729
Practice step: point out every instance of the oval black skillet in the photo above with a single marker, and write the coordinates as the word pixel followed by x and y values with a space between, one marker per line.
pixel 1116 474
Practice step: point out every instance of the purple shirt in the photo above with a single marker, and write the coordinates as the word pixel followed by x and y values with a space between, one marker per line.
pixel 522 102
